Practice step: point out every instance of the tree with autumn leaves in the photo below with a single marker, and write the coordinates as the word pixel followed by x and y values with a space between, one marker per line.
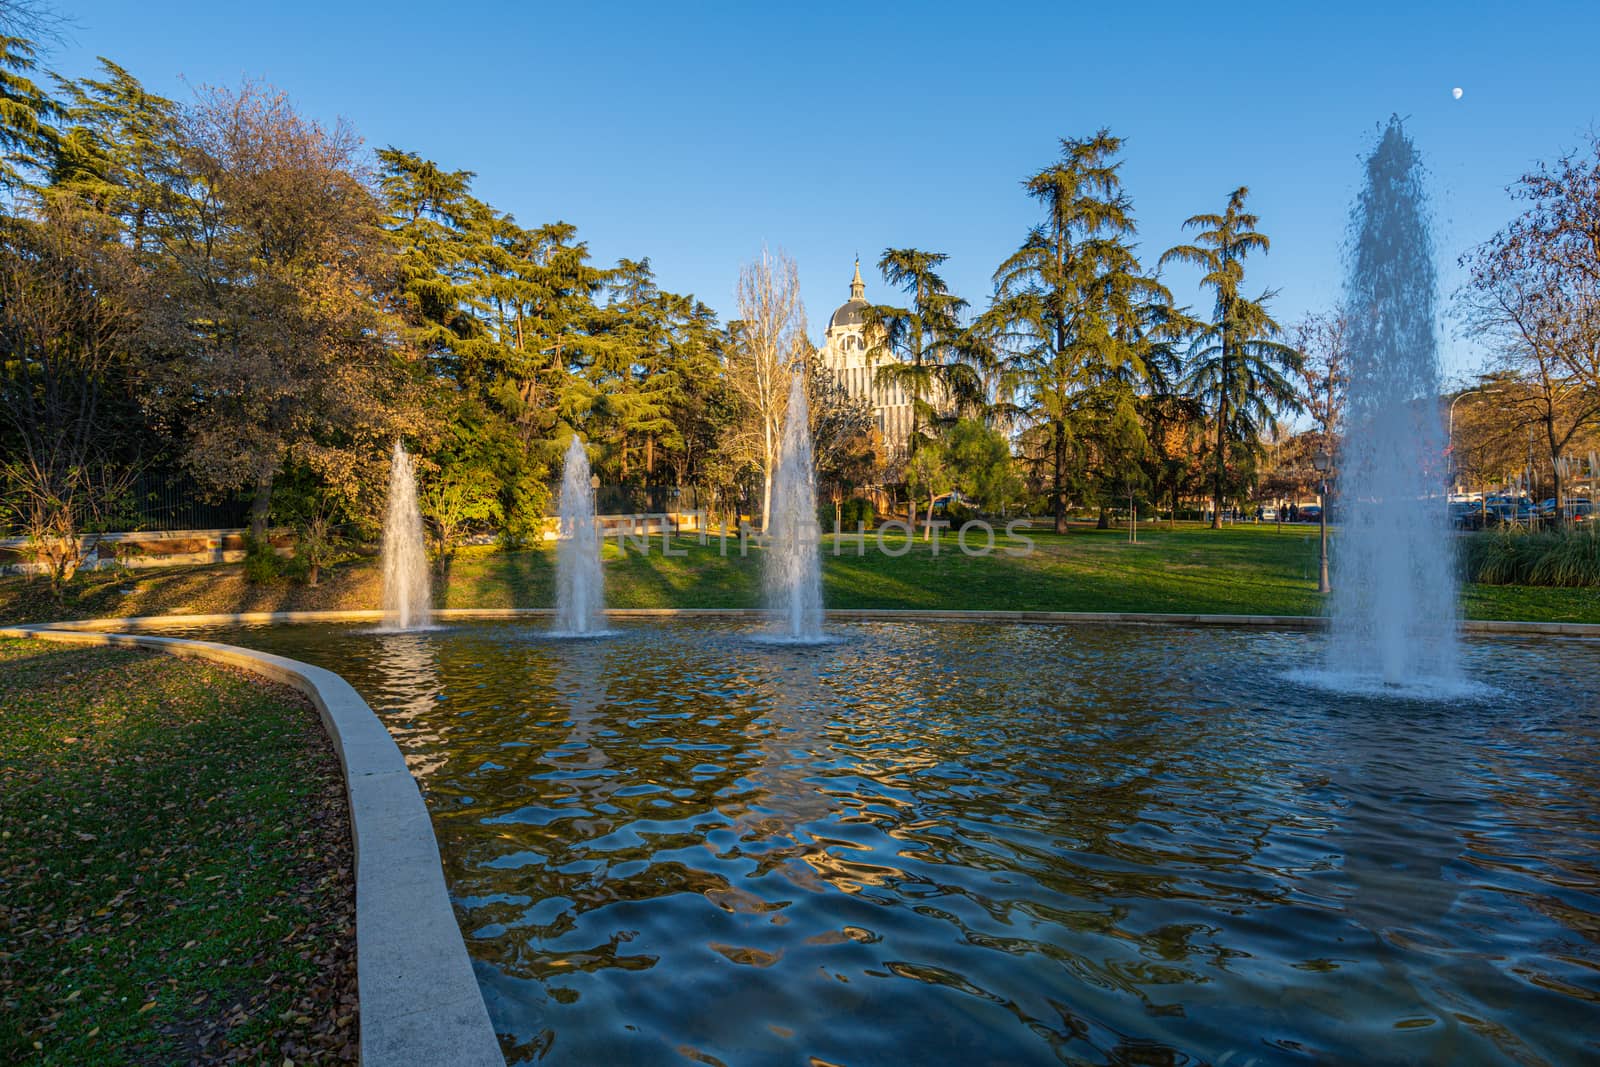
pixel 247 297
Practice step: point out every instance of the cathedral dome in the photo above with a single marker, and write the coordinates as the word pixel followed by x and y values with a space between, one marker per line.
pixel 849 313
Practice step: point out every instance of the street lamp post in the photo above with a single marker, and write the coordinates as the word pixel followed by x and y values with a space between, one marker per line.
pixel 1321 461
pixel 1450 433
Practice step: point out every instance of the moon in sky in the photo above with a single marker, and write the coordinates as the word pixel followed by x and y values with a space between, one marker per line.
pixel 1456 93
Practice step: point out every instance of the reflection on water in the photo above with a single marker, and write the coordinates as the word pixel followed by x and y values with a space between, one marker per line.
pixel 999 845
pixel 408 663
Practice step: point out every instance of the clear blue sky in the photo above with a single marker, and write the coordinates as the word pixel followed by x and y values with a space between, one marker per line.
pixel 693 133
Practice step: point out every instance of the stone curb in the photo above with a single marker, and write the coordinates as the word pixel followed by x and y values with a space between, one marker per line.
pixel 420 1002
pixel 1123 618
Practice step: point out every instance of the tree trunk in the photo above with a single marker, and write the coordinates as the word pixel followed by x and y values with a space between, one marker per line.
pixel 1222 429
pixel 766 476
pixel 927 528
pixel 1058 490
pixel 1558 516
pixel 1104 520
pixel 260 508
pixel 1554 449
pixel 1221 472
pixel 313 573
pixel 916 383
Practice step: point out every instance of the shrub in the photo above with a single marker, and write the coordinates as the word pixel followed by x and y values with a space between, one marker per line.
pixel 857 510
pixel 959 512
pixel 296 568
pixel 313 550
pixel 850 512
pixel 261 563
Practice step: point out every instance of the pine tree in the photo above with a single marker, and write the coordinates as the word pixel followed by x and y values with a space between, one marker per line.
pixel 119 152
pixel 632 371
pixel 919 347
pixel 428 211
pixel 1078 323
pixel 28 140
pixel 1238 371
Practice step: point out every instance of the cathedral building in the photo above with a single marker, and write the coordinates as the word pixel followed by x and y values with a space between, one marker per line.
pixel 844 352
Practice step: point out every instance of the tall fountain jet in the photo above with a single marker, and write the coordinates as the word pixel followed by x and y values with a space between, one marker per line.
pixel 1394 606
pixel 580 592
pixel 407 600
pixel 792 571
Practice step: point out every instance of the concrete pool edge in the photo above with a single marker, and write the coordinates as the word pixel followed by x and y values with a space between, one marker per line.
pixel 1260 622
pixel 419 1000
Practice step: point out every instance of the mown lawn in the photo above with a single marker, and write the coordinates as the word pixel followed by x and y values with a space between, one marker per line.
pixel 1258 570
pixel 1254 570
pixel 175 865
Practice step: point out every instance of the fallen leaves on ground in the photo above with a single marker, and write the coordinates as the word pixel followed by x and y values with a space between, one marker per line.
pixel 176 883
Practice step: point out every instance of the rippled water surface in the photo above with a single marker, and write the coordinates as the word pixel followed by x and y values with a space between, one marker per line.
pixel 962 844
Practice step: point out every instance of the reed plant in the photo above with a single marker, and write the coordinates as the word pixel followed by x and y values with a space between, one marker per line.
pixel 1568 557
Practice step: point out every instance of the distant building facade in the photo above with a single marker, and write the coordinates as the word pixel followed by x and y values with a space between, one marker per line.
pixel 844 352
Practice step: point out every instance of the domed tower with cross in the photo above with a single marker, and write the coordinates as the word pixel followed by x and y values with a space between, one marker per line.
pixel 847 353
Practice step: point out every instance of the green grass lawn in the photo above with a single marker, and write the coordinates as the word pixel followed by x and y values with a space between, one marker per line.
pixel 1256 570
pixel 175 879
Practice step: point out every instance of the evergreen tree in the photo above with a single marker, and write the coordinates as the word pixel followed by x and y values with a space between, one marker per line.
pixel 429 211
pixel 28 140
pixel 119 152
pixel 980 464
pixel 700 408
pixel 631 368
pixel 1237 368
pixel 550 296
pixel 1078 323
pixel 920 346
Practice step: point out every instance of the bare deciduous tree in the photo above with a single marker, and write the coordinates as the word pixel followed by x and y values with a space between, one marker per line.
pixel 1534 294
pixel 769 341
pixel 844 438
pixel 1325 374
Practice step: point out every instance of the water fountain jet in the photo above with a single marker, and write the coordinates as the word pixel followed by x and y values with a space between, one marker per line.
pixel 407 600
pixel 792 569
pixel 1394 580
pixel 580 590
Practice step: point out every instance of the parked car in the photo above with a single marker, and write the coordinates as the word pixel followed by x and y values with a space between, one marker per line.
pixel 1547 507
pixel 1310 513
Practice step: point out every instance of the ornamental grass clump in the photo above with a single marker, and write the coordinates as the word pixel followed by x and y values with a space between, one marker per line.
pixel 1567 557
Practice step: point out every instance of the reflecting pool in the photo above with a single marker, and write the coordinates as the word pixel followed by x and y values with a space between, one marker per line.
pixel 950 843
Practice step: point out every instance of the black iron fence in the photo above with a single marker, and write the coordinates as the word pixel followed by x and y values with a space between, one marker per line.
pixel 634 499
pixel 160 501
